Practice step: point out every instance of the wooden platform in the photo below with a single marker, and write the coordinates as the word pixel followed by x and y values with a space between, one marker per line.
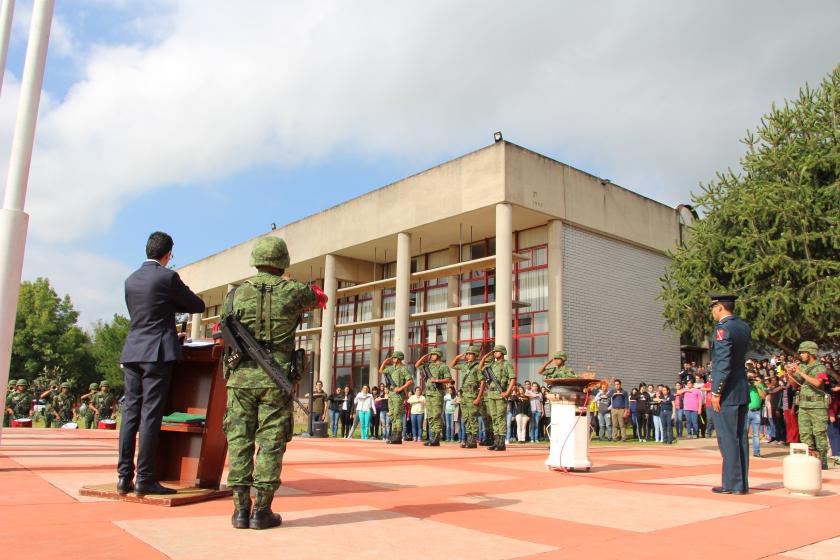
pixel 183 497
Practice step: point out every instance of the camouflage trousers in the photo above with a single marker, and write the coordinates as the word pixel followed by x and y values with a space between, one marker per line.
pixel 49 417
pixel 434 409
pixel 813 423
pixel 260 418
pixel 396 412
pixel 88 420
pixel 469 411
pixel 497 409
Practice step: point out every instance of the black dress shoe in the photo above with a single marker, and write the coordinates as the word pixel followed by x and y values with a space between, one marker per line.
pixel 721 490
pixel 124 485
pixel 152 487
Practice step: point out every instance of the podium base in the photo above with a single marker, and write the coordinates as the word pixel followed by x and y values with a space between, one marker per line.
pixel 184 496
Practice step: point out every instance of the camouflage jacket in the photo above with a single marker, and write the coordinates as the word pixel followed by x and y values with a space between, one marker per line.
pixel 470 377
pixel 400 376
pixel 554 372
pixel 504 373
pixel 63 405
pixel 270 307
pixel 810 396
pixel 439 370
pixel 104 403
pixel 20 403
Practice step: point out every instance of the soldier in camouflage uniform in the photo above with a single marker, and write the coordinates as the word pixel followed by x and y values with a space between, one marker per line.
pixel 472 390
pixel 86 399
pixel 62 405
pixel 812 378
pixel 258 411
pixel 436 385
pixel 48 396
pixel 19 403
pixel 103 403
pixel 497 400
pixel 397 392
pixel 556 368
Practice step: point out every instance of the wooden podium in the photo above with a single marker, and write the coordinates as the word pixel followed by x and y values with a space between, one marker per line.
pixel 189 458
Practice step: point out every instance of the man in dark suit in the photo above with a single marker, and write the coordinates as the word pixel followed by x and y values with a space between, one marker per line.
pixel 153 294
pixel 730 341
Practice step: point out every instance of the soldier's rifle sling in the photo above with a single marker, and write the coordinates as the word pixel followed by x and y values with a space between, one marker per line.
pixel 232 328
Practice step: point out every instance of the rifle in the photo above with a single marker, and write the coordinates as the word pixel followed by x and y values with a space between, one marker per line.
pixel 489 375
pixel 240 343
pixel 389 381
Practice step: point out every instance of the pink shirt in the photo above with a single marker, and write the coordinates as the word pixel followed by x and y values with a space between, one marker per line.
pixel 691 399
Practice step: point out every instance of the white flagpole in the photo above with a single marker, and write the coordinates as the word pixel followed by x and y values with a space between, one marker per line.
pixel 6 11
pixel 13 220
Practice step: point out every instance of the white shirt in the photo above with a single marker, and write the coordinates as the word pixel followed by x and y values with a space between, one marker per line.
pixel 364 402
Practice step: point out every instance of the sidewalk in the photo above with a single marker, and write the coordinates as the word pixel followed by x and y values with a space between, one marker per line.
pixel 410 501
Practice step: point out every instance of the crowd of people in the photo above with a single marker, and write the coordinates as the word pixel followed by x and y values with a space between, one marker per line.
pixel 366 413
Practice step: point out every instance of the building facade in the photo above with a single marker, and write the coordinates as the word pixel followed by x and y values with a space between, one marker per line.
pixel 418 264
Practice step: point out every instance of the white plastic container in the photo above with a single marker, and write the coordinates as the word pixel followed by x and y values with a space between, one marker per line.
pixel 802 473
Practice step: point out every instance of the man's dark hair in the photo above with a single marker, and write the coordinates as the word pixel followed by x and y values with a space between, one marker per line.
pixel 158 245
pixel 728 305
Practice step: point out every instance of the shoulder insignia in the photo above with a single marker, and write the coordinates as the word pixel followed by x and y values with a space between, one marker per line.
pixel 720 334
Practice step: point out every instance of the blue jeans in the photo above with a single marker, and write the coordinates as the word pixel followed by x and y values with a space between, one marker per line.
pixel 535 426
pixel 334 421
pixel 665 420
pixel 678 423
pixel 448 426
pixel 508 428
pixel 385 422
pixel 461 434
pixel 692 427
pixel 480 427
pixel 604 425
pixel 754 422
pixel 417 426
pixel 657 427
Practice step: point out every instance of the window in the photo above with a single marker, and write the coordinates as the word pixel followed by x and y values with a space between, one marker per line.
pixel 531 286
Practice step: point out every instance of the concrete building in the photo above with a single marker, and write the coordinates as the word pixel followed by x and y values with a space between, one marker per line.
pixel 501 245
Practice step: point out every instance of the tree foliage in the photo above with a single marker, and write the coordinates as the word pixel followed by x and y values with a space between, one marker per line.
pixel 108 341
pixel 48 345
pixel 770 234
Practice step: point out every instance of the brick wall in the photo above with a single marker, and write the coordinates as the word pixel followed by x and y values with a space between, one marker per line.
pixel 612 319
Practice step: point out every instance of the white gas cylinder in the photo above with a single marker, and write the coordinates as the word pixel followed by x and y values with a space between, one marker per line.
pixel 802 473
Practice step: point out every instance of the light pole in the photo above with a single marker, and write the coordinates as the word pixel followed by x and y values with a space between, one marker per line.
pixel 13 220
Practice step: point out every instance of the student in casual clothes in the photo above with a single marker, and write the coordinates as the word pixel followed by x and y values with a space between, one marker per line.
pixel 619 409
pixel 522 408
pixel 346 410
pixel 602 399
pixel 335 409
pixel 418 410
pixel 374 413
pixel 678 413
pixel 655 411
pixel 666 411
pixel 537 410
pixel 363 405
pixel 692 401
pixel 643 412
pixel 634 401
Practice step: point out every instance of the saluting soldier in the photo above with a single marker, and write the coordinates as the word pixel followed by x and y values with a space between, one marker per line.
pixel 103 403
pixel 19 402
pixel 472 390
pixel 730 341
pixel 394 368
pixel 259 413
pixel 86 399
pixel 496 399
pixel 812 378
pixel 437 383
pixel 556 367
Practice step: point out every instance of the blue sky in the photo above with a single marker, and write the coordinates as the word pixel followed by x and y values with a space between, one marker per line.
pixel 211 120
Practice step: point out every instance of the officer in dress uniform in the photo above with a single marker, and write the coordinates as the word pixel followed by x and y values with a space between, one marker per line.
pixel 730 393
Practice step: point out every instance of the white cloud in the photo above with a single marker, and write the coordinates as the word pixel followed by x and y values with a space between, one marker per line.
pixel 94 282
pixel 654 96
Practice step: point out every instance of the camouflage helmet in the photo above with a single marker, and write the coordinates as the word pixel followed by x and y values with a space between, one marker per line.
pixel 93 386
pixel 500 348
pixel 473 349
pixel 398 355
pixel 560 356
pixel 23 382
pixel 270 251
pixel 65 385
pixel 436 351
pixel 810 347
pixel 105 384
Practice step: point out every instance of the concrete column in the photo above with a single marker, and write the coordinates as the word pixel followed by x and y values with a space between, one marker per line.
pixel 504 276
pixel 556 338
pixel 403 291
pixel 375 339
pixel 325 366
pixel 452 288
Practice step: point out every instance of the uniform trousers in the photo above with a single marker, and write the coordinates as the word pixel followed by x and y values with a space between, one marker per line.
pixel 733 441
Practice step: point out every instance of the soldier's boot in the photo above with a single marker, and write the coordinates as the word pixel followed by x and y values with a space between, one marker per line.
pixel 500 445
pixel 470 442
pixel 396 439
pixel 492 446
pixel 434 442
pixel 262 517
pixel 241 507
